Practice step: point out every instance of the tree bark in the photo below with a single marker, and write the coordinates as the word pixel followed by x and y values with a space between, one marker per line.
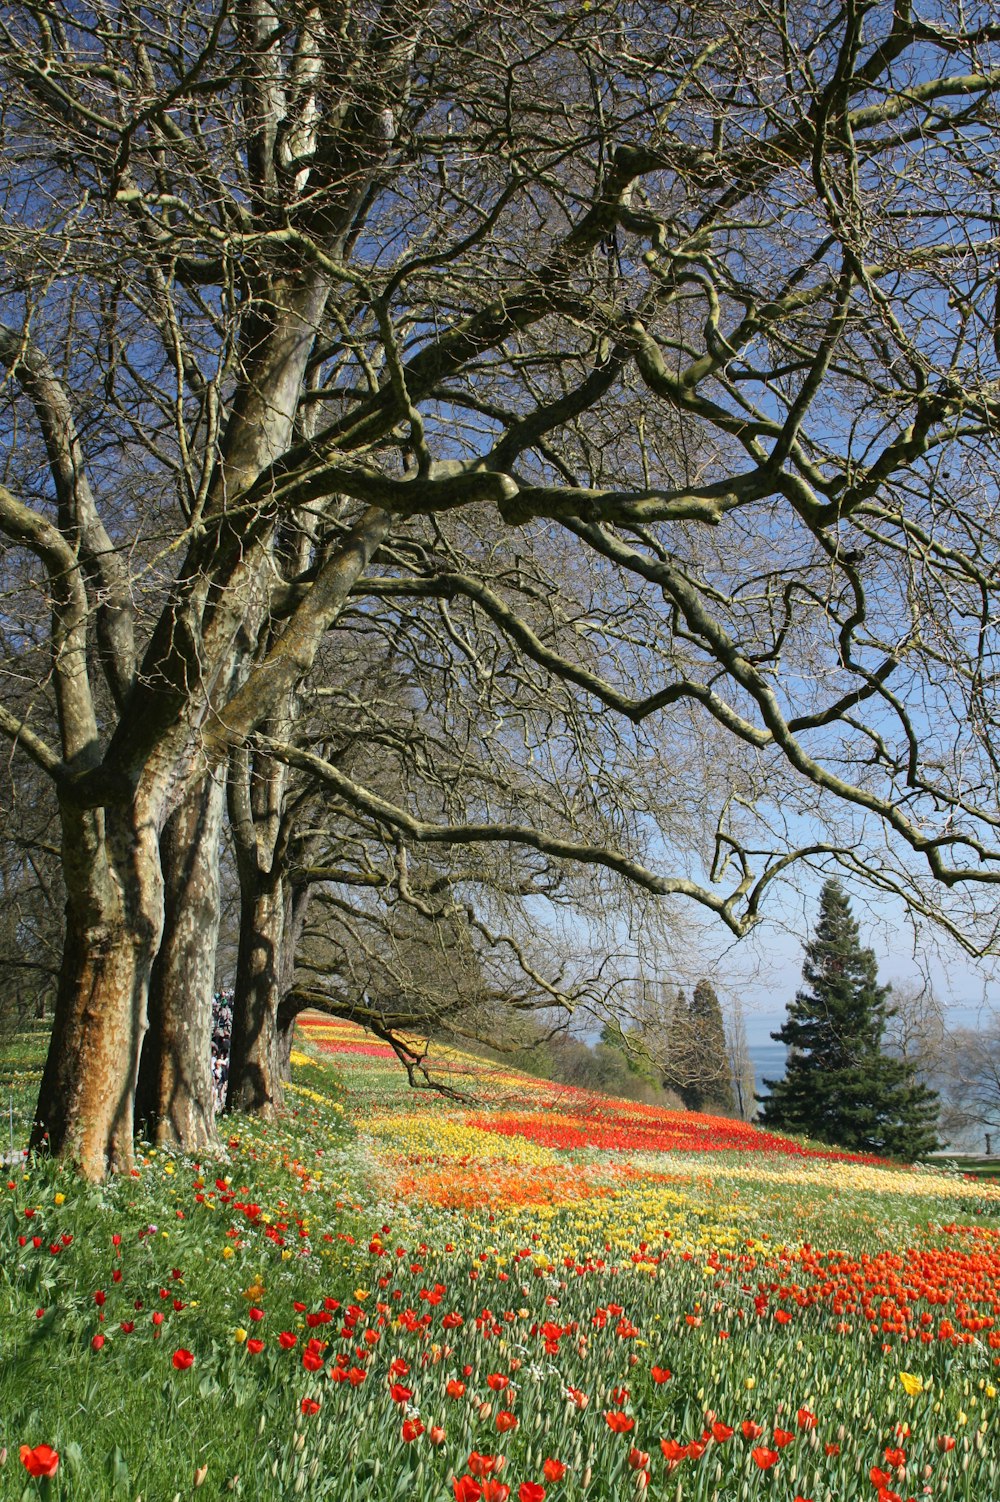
pixel 174 1100
pixel 113 923
pixel 288 1014
pixel 255 1072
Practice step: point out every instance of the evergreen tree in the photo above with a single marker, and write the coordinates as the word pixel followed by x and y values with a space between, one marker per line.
pixel 840 1086
pixel 679 1063
pixel 711 1087
pixel 696 1059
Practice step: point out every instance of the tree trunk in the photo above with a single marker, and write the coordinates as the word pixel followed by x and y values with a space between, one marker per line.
pixel 294 923
pixel 255 1077
pixel 285 1035
pixel 174 1100
pixel 114 911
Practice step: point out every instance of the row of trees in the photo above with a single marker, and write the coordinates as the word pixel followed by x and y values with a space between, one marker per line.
pixel 467 466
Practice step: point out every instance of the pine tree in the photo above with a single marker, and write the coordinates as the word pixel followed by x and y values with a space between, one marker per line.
pixel 840 1086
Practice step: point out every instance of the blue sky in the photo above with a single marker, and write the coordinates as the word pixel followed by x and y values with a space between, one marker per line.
pixel 766 968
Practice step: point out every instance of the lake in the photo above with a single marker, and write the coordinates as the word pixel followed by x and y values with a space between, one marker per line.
pixel 768 1062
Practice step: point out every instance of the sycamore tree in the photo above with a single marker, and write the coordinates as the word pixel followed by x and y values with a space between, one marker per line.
pixel 299 303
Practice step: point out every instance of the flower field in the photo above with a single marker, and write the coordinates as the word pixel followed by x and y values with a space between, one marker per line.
pixel 526 1292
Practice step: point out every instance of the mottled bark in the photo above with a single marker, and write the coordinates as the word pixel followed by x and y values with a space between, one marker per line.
pixel 255 1076
pixel 288 1011
pixel 113 921
pixel 174 1100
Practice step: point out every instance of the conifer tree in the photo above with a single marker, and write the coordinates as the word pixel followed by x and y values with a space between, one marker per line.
pixel 711 1086
pixel 840 1086
pixel 679 1065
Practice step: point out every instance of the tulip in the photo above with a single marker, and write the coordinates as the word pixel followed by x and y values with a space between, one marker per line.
pixel 763 1457
pixel 41 1461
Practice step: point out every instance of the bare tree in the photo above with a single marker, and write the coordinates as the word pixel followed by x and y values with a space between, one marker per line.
pixel 917 1029
pixel 698 300
pixel 741 1068
pixel 970 1079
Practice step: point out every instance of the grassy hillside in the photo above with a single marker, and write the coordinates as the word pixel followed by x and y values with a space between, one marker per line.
pixel 531 1291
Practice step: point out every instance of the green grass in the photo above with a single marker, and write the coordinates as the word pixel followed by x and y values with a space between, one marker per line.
pixel 292 1213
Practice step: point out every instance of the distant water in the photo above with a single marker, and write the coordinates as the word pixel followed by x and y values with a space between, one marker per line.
pixel 768 1062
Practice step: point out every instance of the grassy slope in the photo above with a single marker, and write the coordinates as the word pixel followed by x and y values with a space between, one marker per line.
pixel 490 1215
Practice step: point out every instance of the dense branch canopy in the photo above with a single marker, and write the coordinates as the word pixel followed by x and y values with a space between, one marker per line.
pixel 640 362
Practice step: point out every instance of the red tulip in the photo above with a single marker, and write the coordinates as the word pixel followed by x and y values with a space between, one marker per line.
pixel 660 1374
pixel 805 1418
pixel 97 1342
pixel 619 1423
pixel 495 1491
pixel 41 1461
pixel 750 1430
pixel 467 1489
pixel 553 1470
pixel 530 1491
pixel 763 1457
pixel 255 1346
pixel 412 1429
pixel 782 1437
pixel 309 1406
pixel 286 1340
pixel 484 1465
pixel 638 1459
pixel 721 1432
pixel 455 1389
pixel 506 1421
pixel 183 1359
